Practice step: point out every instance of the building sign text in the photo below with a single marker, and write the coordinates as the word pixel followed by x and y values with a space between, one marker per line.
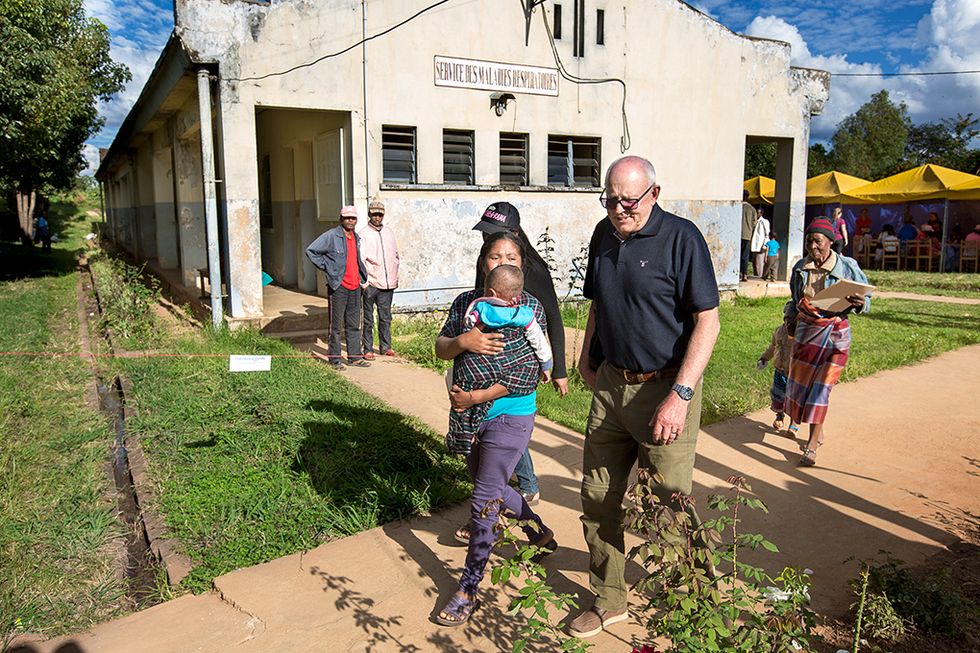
pixel 495 76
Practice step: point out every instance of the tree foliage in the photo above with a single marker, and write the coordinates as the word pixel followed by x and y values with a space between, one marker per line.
pixel 870 143
pixel 54 68
pixel 945 143
pixel 760 160
pixel 819 161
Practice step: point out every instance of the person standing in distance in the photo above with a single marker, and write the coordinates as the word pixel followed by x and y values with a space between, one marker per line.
pixel 379 251
pixel 336 252
pixel 748 226
pixel 652 328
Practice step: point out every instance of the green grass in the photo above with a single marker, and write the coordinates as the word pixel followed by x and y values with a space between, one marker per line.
pixel 57 504
pixel 253 466
pixel 895 333
pixel 948 284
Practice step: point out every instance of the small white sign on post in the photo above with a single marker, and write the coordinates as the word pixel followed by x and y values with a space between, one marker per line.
pixel 240 363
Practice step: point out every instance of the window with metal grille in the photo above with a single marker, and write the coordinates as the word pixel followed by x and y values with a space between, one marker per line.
pixel 600 27
pixel 573 161
pixel 457 157
pixel 556 30
pixel 398 154
pixel 513 159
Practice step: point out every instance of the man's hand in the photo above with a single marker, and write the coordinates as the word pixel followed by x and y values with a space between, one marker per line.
pixel 668 421
pixel 588 374
pixel 856 301
pixel 478 342
pixel 561 385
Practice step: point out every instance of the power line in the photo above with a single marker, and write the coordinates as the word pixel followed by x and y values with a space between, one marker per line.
pixel 922 74
pixel 345 50
pixel 624 140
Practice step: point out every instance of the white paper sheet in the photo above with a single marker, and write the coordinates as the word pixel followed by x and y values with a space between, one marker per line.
pixel 834 299
pixel 240 363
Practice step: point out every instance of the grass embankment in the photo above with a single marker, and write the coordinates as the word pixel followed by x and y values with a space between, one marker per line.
pixel 895 333
pixel 253 466
pixel 58 533
pixel 949 284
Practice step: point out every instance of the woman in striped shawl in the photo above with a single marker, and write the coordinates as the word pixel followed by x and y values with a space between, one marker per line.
pixel 822 339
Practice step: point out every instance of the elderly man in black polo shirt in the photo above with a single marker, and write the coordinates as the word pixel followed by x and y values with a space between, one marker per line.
pixel 654 319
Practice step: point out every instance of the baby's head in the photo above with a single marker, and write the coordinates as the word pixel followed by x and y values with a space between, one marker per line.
pixel 505 282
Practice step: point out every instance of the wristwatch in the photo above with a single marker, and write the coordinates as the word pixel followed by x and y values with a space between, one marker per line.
pixel 683 391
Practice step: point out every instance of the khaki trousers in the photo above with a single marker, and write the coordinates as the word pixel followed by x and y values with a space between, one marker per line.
pixel 618 434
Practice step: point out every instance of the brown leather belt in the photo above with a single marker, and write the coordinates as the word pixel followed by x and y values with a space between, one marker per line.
pixel 642 377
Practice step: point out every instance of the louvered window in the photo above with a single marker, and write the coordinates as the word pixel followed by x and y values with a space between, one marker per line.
pixel 513 159
pixel 398 154
pixel 457 157
pixel 573 161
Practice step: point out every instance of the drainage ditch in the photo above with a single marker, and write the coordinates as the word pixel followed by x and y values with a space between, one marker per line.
pixel 141 564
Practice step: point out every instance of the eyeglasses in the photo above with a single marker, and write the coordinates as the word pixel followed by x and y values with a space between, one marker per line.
pixel 628 203
pixel 375 215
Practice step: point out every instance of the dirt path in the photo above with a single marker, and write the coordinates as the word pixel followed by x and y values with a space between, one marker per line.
pixel 899 472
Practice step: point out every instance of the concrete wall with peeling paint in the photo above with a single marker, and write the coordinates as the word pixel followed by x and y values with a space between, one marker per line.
pixel 695 92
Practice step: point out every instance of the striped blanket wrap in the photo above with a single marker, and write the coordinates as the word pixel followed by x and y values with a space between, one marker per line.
pixel 820 351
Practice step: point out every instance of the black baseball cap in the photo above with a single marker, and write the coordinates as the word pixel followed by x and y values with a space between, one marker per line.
pixel 500 216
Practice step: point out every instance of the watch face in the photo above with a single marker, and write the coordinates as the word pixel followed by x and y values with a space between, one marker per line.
pixel 685 393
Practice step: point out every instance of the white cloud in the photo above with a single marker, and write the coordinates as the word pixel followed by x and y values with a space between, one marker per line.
pixel 91 154
pixel 947 41
pixel 138 32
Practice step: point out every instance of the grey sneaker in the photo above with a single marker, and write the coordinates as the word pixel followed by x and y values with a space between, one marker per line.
pixel 337 365
pixel 532 498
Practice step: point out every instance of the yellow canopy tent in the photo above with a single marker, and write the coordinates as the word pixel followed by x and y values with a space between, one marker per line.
pixel 830 187
pixel 969 190
pixel 928 182
pixel 761 189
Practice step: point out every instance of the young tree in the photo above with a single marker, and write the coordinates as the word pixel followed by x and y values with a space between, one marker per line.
pixel 870 143
pixel 54 67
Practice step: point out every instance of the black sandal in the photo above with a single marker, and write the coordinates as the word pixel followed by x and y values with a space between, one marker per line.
pixel 459 610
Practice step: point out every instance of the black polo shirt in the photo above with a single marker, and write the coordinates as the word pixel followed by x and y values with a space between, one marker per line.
pixel 646 289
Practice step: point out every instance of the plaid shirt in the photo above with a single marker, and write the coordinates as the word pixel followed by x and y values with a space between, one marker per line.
pixel 516 368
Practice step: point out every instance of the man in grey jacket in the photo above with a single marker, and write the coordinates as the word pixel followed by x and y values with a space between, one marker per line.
pixel 337 253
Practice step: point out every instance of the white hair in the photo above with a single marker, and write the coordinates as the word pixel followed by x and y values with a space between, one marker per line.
pixel 644 165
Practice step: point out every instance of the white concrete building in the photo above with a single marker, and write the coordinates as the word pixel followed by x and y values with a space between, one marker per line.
pixel 307 115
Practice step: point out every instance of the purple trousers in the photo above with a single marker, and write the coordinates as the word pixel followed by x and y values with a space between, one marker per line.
pixel 502 441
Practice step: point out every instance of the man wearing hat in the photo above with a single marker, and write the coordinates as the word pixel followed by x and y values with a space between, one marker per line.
pixel 337 253
pixel 379 251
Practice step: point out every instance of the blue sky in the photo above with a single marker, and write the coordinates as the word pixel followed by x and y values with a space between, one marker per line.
pixel 850 36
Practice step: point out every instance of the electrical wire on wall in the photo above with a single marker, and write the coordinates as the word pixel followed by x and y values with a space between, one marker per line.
pixel 624 140
pixel 340 52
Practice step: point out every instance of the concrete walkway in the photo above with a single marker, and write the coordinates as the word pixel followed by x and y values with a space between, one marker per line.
pixel 899 472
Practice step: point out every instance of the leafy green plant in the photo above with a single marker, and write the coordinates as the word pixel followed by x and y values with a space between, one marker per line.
pixel 695 607
pixel 535 598
pixel 932 604
pixel 546 248
pixel 126 301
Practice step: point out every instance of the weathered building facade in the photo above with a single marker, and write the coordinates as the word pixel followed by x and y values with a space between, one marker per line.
pixel 438 115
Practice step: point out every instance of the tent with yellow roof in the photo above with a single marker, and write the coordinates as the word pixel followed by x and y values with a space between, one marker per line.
pixel 968 190
pixel 928 182
pixel 761 189
pixel 830 187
